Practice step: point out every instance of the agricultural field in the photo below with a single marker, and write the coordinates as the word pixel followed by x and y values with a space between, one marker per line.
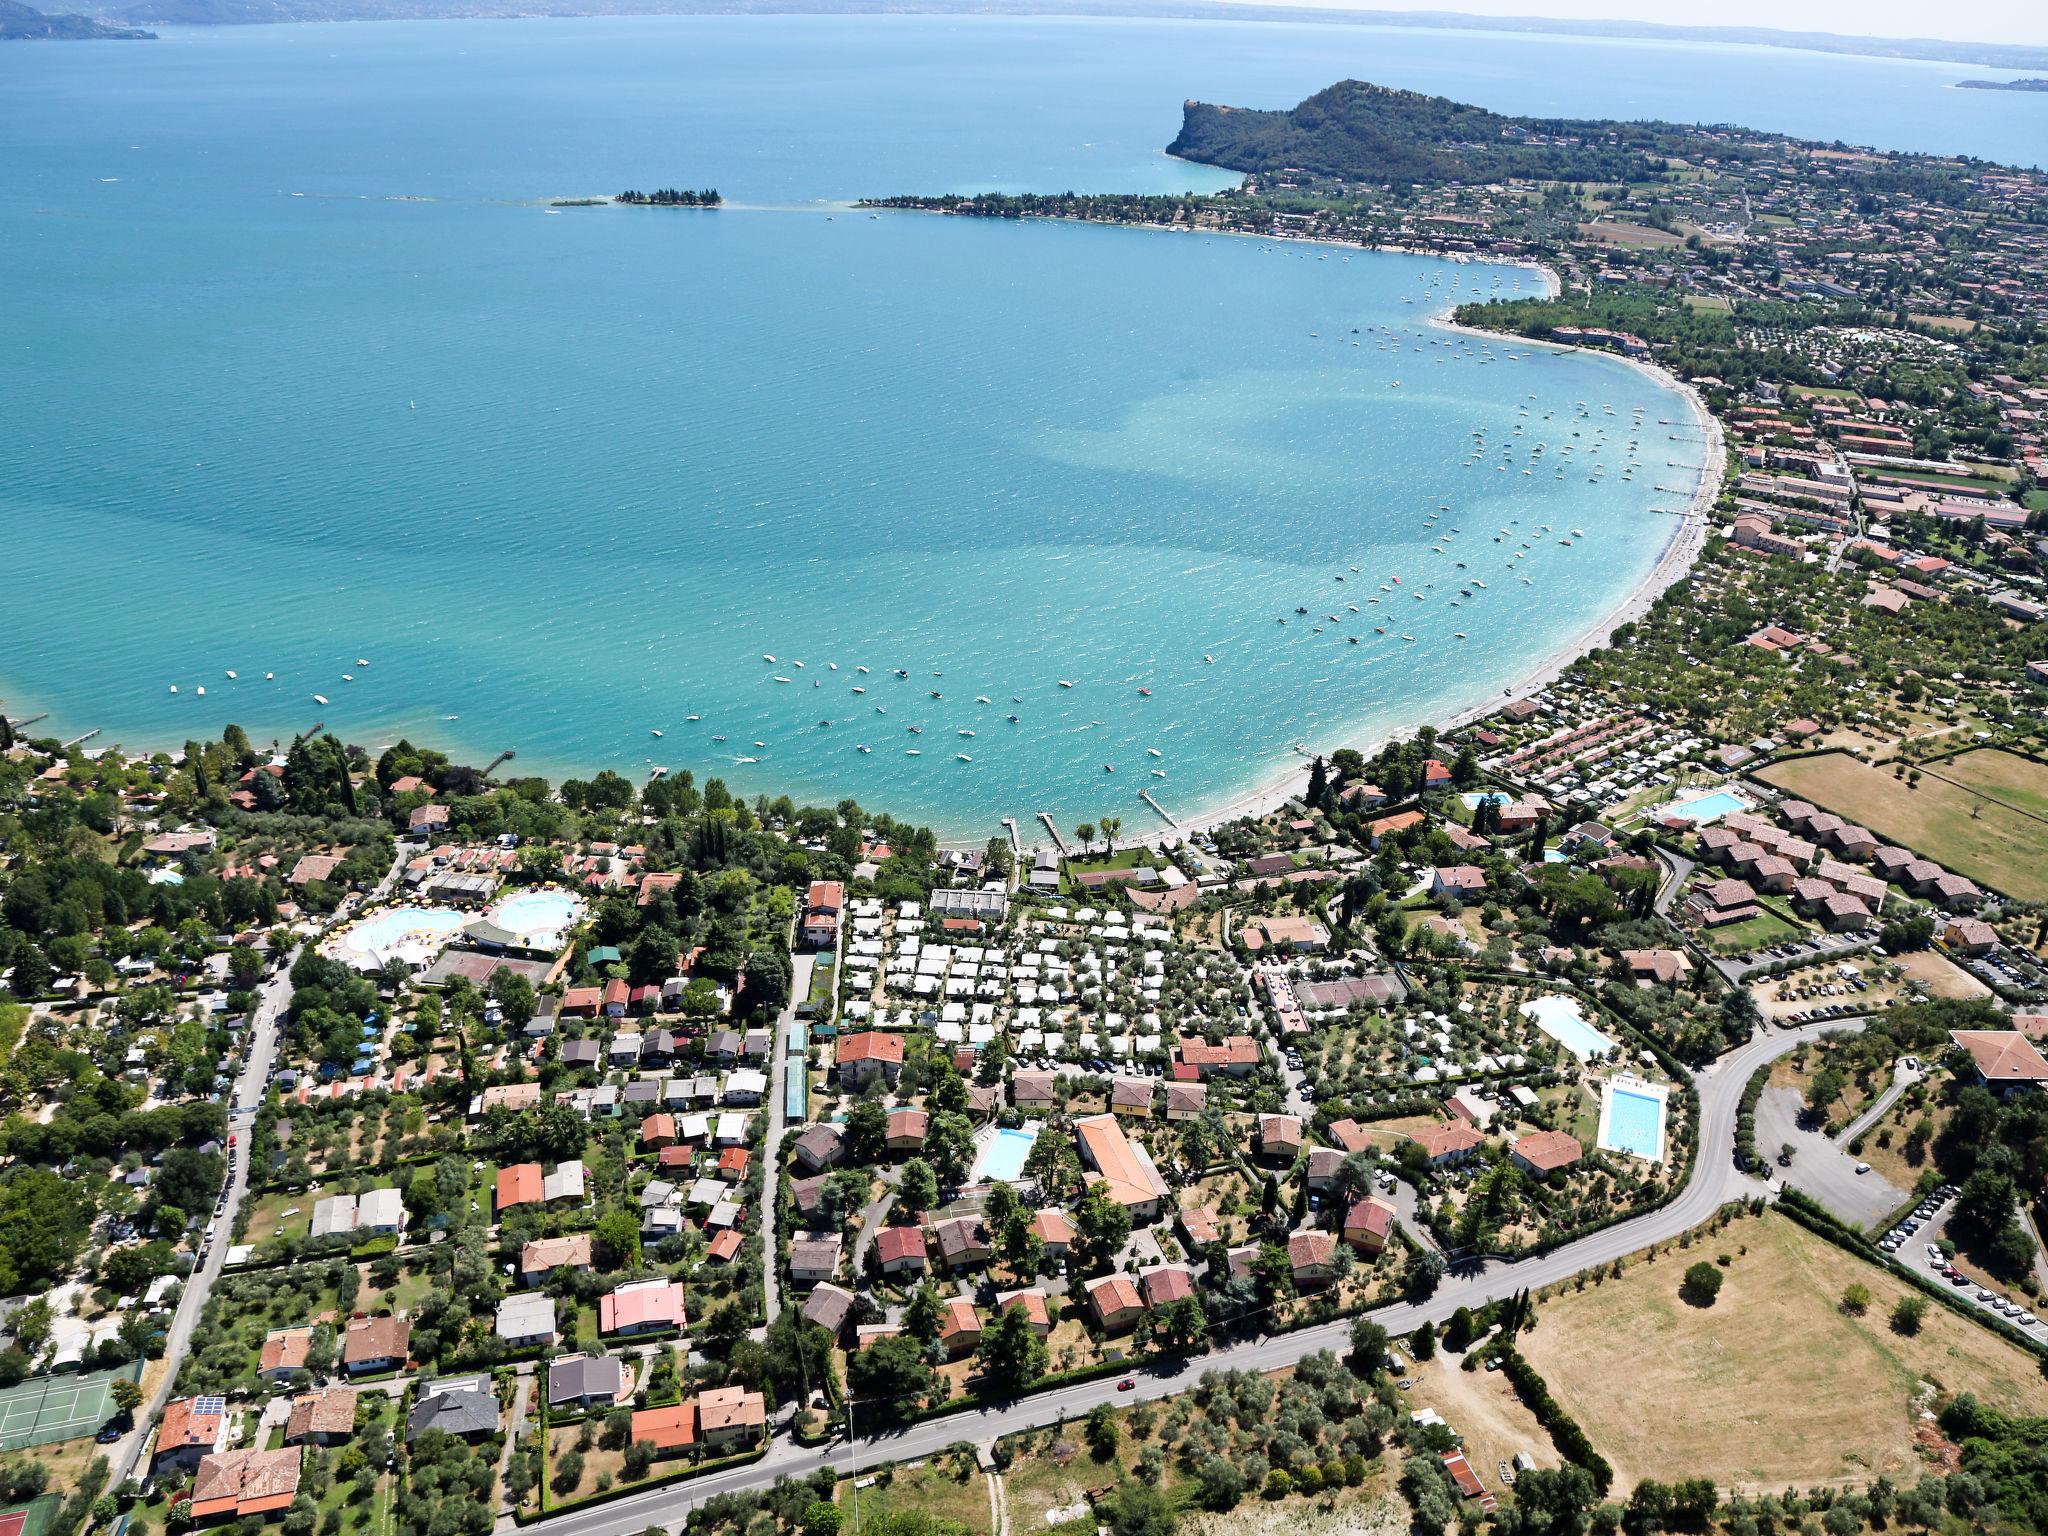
pixel 2002 776
pixel 1773 1384
pixel 1958 826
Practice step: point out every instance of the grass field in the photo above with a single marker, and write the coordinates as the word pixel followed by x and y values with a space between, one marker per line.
pixel 1773 1384
pixel 1963 828
pixel 2003 776
pixel 935 1488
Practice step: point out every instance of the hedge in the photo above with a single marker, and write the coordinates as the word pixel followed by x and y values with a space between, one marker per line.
pixel 1565 1433
pixel 1745 1117
pixel 551 1507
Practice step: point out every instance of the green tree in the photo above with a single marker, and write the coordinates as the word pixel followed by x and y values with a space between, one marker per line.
pixel 1702 1283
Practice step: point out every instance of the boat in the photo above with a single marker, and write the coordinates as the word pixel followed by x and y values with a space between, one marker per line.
pixel 231 676
pixel 769 659
pixel 361 662
pixel 718 738
pixel 746 759
pixel 200 690
pixel 780 678
pixel 318 698
pixel 1158 773
pixel 915 730
pixel 654 733
pixel 270 677
pixel 900 672
pixel 982 698
pixel 1065 683
pixel 174 687
pixel 912 752
pixel 963 757
pixel 936 694
pixel 863 747
pixel 1144 693
pixel 1108 768
pixel 1152 752
pixel 796 664
pixel 833 665
pixel 965 732
pixel 858 689
pixel 1013 719
pixel 1209 660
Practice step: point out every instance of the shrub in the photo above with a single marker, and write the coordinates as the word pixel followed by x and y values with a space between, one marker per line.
pixel 1856 1299
pixel 1702 1283
pixel 1908 1315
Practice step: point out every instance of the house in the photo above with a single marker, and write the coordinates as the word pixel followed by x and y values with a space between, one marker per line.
pixel 565 1185
pixel 1312 1256
pixel 1452 1142
pixel 518 1185
pixel 526 1321
pixel 1349 1135
pixel 586 1381
pixel 244 1482
pixel 1717 903
pixel 1032 1090
pixel 829 1306
pixel 731 1416
pixel 1292 934
pixel 1279 1138
pixel 1131 1097
pixel 1320 1171
pixel 658 1131
pixel 1542 1153
pixel 1033 1304
pixel 1237 1055
pixel 1842 913
pixel 1657 967
pixel 822 906
pixel 1389 826
pixel 865 1056
pixel 2006 1061
pixel 336 1214
pixel 381 1213
pixel 1368 1224
pixel 542 1257
pixel 1186 1101
pixel 372 1345
pixel 669 1429
pixel 465 1407
pixel 1054 1230
pixel 322 1418
pixel 191 1428
pixel 962 1242
pixel 1110 1158
pixel 1458 882
pixel 1115 1302
pixel 1165 1285
pixel 1969 936
pixel 959 1327
pixel 284 1351
pixel 900 1250
pixel 749 1085
pixel 644 1306
pixel 813 1260
pixel 907 1129
pixel 820 1146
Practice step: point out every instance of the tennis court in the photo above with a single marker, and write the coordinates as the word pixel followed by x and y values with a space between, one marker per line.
pixel 53 1408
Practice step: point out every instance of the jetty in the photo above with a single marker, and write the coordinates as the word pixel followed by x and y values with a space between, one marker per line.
pixel 1016 850
pixel 1053 827
pixel 1164 815
pixel 80 740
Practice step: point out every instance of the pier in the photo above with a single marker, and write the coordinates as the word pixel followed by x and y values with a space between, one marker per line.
pixel 1057 841
pixel 1016 852
pixel 1146 796
pixel 79 740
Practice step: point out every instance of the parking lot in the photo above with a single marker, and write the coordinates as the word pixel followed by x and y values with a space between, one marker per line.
pixel 1814 947
pixel 1915 1242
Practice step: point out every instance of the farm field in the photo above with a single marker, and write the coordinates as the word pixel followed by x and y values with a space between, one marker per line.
pixel 1950 822
pixel 1773 1384
pixel 2006 776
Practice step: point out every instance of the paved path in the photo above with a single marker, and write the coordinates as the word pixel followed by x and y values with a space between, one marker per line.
pixel 1903 1077
pixel 771 1143
pixel 1715 1181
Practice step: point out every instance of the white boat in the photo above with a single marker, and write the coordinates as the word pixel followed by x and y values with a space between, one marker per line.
pixel 1064 683
pixel 695 717
pixel 200 690
pixel 796 664
pixel 858 689
pixel 781 679
pixel 746 759
pixel 1152 752
pixel 319 698
pixel 348 677
pixel 1158 773
pixel 654 733
pixel 963 757
pixel 174 687
pixel 361 662
pixel 769 659
pixel 982 698
pixel 912 752
pixel 863 747
pixel 965 732
pixel 231 676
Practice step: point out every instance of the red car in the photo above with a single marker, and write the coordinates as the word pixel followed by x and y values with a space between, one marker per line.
pixel 1125 1385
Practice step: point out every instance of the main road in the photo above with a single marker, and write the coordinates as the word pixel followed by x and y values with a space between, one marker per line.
pixel 1714 1182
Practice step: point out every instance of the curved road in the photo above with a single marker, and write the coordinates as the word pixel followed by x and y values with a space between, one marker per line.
pixel 1715 1181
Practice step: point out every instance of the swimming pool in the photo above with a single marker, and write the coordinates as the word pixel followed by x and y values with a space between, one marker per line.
pixel 1001 1158
pixel 1706 808
pixel 409 929
pixel 1559 1018
pixel 1474 801
pixel 536 914
pixel 1632 1118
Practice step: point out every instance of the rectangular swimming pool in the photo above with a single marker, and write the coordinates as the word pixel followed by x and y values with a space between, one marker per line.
pixel 1559 1018
pixel 1001 1159
pixel 1632 1119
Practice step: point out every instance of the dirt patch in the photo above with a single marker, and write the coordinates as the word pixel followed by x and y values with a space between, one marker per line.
pixel 1482 1408
pixel 1373 1510
pixel 1941 975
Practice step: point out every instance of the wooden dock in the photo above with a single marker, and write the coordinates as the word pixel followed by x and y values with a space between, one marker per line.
pixel 1016 851
pixel 1164 815
pixel 1057 841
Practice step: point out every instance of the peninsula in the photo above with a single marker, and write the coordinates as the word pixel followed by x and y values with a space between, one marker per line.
pixel 2031 83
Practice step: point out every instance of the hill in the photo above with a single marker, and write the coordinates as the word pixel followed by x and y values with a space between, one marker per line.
pixel 1354 131
pixel 19 22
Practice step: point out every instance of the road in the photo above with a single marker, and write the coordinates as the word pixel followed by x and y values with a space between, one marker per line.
pixel 771 1144
pixel 1903 1077
pixel 1715 1181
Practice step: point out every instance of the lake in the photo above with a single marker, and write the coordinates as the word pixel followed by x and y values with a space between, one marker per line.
pixel 300 371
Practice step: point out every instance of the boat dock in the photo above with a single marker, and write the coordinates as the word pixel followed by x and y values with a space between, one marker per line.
pixel 1164 815
pixel 1057 841
pixel 80 740
pixel 1016 851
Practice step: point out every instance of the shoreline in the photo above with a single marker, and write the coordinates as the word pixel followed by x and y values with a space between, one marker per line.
pixel 1269 791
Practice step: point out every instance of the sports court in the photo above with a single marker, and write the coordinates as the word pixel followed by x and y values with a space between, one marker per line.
pixel 51 1408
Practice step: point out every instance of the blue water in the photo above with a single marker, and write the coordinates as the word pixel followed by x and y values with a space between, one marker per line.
pixel 1559 1017
pixel 1635 1123
pixel 1479 798
pixel 381 930
pixel 533 913
pixel 565 478
pixel 1707 807
pixel 1002 1160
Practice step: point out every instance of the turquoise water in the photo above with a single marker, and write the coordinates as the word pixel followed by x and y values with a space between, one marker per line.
pixel 1477 799
pixel 1634 1122
pixel 533 913
pixel 564 479
pixel 1560 1018
pixel 381 930
pixel 1708 807
pixel 1002 1159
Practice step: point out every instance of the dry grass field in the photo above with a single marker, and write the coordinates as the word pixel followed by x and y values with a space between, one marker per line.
pixel 1959 821
pixel 1772 1385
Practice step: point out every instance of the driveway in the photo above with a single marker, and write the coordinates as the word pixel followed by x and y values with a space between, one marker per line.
pixel 1821 1167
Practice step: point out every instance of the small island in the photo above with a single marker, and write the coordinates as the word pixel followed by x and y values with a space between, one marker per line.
pixel 2031 83
pixel 673 197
